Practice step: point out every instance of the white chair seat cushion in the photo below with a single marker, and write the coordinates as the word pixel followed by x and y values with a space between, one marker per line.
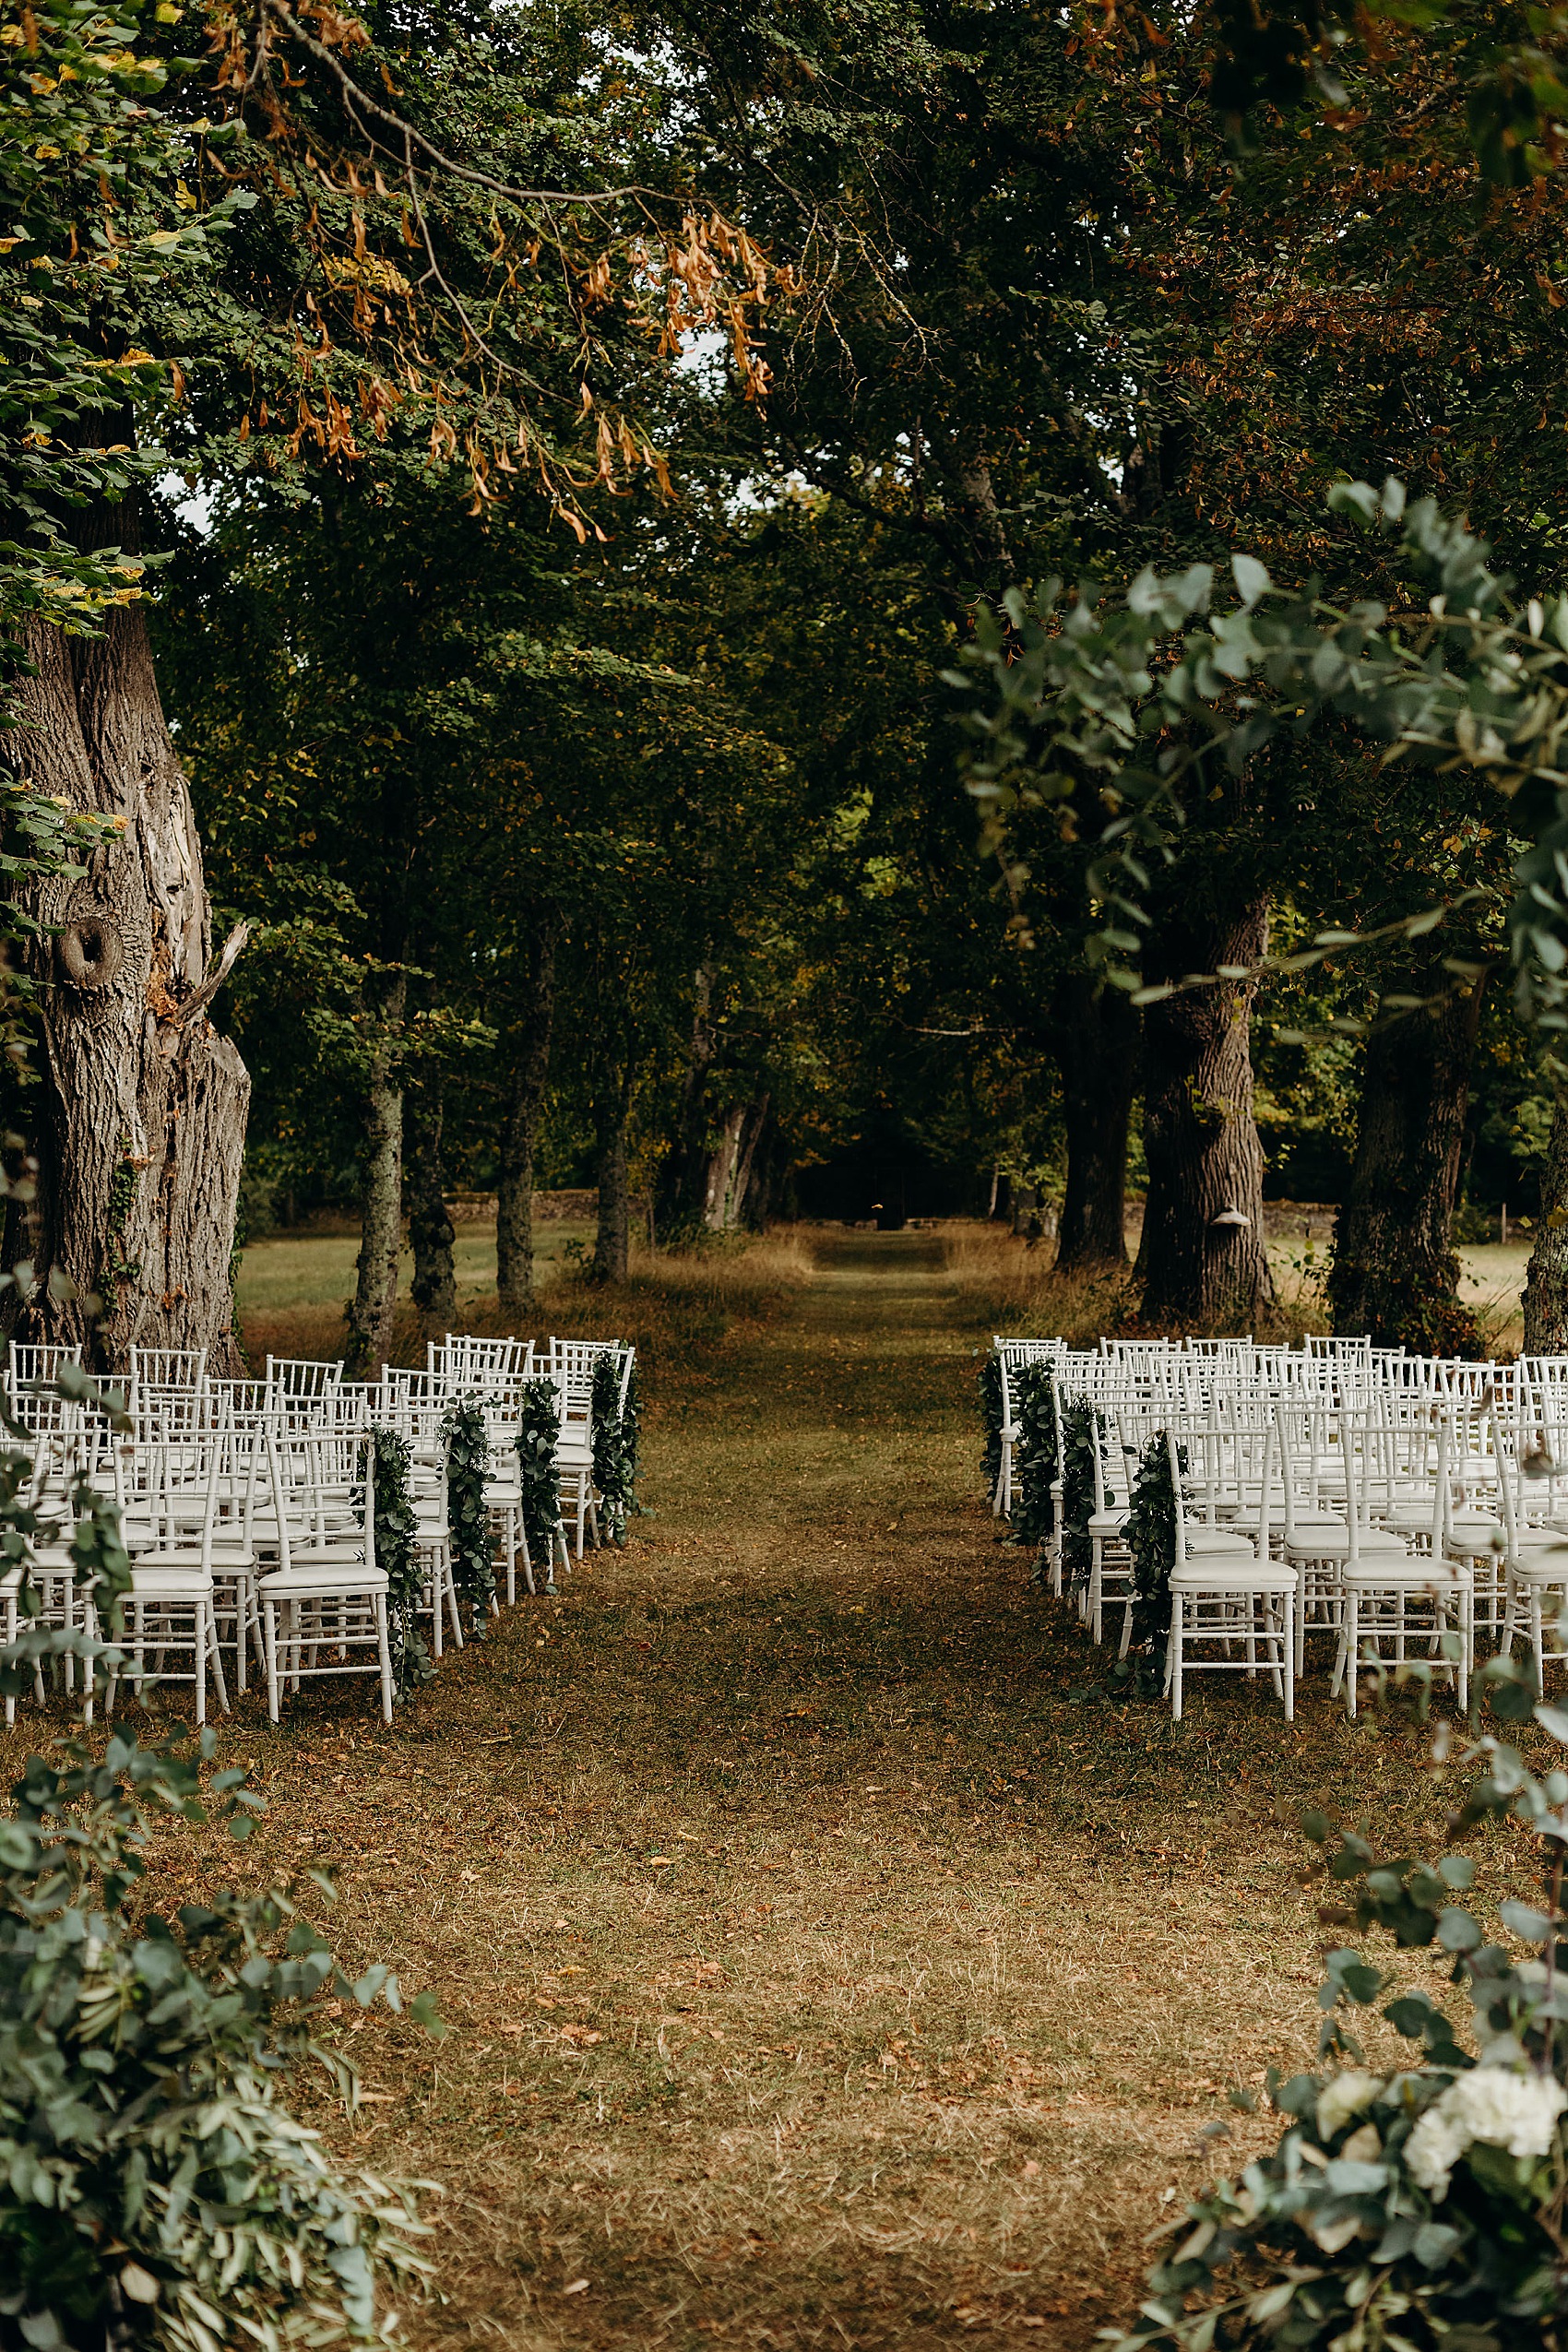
pixel 1108 1523
pixel 1414 1573
pixel 1332 1541
pixel 169 1580
pixel 323 1581
pixel 1223 1573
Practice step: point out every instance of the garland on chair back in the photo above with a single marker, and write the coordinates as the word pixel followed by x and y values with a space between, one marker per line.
pixel 1078 1440
pixel 990 1387
pixel 396 1553
pixel 467 1516
pixel 615 1435
pixel 1034 1455
pixel 539 1483
pixel 1151 1540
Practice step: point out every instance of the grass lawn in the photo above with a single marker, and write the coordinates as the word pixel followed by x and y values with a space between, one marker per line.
pixel 317 1269
pixel 828 1963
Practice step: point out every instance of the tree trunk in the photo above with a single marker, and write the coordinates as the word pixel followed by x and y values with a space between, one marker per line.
pixel 1099 1030
pixel 381 1217
pixel 1394 1273
pixel 527 1048
pixel 1205 1159
pixel 612 1242
pixel 433 1288
pixel 729 1165
pixel 683 1192
pixel 140 1112
pixel 1546 1286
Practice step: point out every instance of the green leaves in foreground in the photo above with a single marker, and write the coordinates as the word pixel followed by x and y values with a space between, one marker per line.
pixel 1133 703
pixel 154 2188
pixel 1421 2206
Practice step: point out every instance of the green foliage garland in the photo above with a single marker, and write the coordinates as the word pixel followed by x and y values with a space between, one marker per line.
pixel 397 1552
pixel 990 1387
pixel 615 1443
pixel 1151 1538
pixel 1078 1495
pixel 468 1514
pixel 1421 2206
pixel 538 1430
pixel 157 2190
pixel 1034 1455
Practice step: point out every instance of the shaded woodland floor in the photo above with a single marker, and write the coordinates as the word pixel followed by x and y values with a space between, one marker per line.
pixel 827 1962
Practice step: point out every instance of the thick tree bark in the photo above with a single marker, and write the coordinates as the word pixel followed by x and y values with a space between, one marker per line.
pixel 528 1069
pixel 1099 1033
pixel 1205 1159
pixel 433 1285
pixel 1395 1272
pixel 1545 1285
pixel 141 1109
pixel 381 1214
pixel 612 1242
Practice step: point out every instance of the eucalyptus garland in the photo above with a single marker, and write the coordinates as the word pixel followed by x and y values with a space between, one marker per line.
pixel 1034 1455
pixel 1078 1440
pixel 396 1553
pixel 615 1435
pixel 990 1387
pixel 468 1514
pixel 1151 1538
pixel 539 1483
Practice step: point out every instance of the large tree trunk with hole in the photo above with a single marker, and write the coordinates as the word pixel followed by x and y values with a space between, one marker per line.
pixel 527 1048
pixel 381 1214
pixel 140 1112
pixel 432 1286
pixel 612 1240
pixel 1205 1159
pixel 1394 1273
pixel 1545 1285
pixel 1098 1051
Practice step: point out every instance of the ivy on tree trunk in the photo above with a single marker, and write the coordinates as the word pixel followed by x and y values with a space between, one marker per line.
pixel 381 1222
pixel 527 1048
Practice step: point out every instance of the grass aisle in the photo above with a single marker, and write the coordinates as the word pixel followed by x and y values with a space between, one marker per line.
pixel 823 1967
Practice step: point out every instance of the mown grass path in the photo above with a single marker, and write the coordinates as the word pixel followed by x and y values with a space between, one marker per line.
pixel 825 1968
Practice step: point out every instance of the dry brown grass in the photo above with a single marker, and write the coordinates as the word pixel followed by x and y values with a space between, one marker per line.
pixel 677 1306
pixel 829 1964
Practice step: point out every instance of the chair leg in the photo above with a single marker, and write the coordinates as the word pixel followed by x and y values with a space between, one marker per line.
pixel 270 1643
pixel 216 1658
pixel 385 1650
pixel 1291 1603
pixel 1178 1626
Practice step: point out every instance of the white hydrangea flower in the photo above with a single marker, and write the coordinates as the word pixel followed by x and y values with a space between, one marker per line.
pixel 1518 2112
pixel 1343 2097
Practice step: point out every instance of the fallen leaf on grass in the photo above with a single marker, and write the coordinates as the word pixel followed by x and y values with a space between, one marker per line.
pixel 576 2287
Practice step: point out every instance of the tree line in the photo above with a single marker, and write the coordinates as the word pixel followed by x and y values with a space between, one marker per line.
pixel 498 503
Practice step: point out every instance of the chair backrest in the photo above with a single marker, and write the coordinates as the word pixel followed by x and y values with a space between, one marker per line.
pixel 169 1368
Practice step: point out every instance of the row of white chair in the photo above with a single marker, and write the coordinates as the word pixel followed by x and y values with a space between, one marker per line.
pixel 1406 1507
pixel 248 1506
